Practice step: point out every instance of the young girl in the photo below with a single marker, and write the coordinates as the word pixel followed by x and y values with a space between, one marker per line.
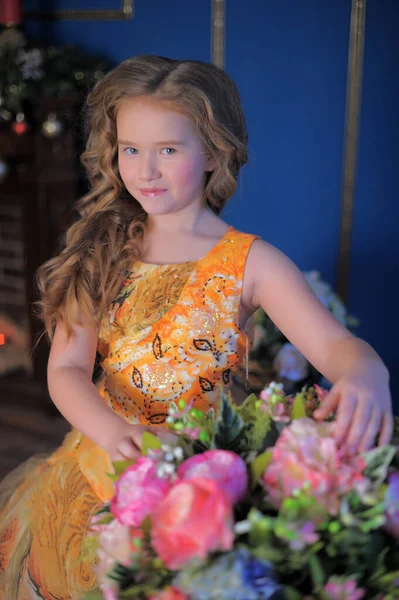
pixel 163 289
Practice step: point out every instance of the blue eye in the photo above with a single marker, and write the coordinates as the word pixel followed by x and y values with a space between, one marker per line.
pixel 169 152
pixel 132 153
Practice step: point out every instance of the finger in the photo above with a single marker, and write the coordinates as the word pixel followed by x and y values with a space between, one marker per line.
pixel 135 435
pixel 367 441
pixel 386 428
pixel 360 421
pixel 344 417
pixel 166 436
pixel 118 457
pixel 128 449
pixel 330 403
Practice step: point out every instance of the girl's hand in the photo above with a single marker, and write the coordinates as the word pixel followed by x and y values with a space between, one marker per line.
pixel 364 410
pixel 128 446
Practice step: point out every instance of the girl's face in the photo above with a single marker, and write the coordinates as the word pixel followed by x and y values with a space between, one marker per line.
pixel 162 161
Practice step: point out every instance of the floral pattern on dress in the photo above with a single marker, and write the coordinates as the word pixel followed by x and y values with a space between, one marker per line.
pixel 176 334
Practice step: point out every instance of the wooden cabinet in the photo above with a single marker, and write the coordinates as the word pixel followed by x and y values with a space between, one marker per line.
pixel 36 201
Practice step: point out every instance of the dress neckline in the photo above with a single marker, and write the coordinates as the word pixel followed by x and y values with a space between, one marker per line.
pixel 189 262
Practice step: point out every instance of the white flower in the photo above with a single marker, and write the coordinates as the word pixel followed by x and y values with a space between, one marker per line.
pixel 273 388
pixel 291 364
pixel 328 297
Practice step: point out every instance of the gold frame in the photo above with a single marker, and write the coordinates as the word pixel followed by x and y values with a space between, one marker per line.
pixel 218 20
pixel 125 13
pixel 352 116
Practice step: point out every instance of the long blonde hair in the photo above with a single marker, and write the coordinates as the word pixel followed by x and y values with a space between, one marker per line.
pixel 86 276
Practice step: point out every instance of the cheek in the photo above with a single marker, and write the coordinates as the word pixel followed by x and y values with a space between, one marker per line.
pixel 191 174
pixel 124 170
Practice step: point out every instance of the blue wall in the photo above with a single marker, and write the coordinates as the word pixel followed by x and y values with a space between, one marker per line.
pixel 176 28
pixel 291 68
pixel 289 59
pixel 374 290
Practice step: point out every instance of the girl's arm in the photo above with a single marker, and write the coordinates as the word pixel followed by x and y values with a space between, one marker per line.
pixel 361 390
pixel 70 370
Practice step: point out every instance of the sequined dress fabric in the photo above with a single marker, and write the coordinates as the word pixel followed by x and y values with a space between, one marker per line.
pixel 172 333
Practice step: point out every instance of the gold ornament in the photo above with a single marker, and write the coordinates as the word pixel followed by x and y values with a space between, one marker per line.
pixel 52 127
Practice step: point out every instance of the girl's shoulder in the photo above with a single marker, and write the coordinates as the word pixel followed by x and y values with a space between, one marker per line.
pixel 236 243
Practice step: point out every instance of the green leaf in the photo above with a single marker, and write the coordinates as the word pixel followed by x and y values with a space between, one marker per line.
pixel 261 431
pixel 93 595
pixel 248 409
pixel 150 442
pixel 120 466
pixel 291 593
pixel 210 415
pixel 388 580
pixel 107 519
pixel 378 461
pixel 316 571
pixel 298 408
pixel 229 425
pixel 105 508
pixel 258 466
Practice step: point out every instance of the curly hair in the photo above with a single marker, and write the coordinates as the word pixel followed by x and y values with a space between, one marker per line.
pixel 86 276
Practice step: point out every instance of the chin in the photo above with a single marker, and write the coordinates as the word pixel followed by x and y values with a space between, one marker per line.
pixel 156 209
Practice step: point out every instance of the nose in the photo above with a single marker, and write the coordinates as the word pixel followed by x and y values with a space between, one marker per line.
pixel 148 169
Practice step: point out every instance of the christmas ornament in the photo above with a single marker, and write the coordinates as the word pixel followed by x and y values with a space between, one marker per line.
pixel 5 115
pixel 20 126
pixel 52 126
pixel 4 169
pixel 10 12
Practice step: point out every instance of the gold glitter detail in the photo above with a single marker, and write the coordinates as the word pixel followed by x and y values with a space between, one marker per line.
pixel 204 322
pixel 159 375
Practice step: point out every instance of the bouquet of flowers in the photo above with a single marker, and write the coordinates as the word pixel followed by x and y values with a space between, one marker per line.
pixel 254 502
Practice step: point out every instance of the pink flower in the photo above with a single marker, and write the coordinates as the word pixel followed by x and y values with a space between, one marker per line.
pixel 117 541
pixel 274 402
pixel 299 535
pixel 115 545
pixel 226 468
pixel 170 593
pixel 110 593
pixel 391 502
pixel 138 492
pixel 337 589
pixel 195 518
pixel 306 457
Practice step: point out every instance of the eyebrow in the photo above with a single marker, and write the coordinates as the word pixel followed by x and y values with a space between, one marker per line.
pixel 167 143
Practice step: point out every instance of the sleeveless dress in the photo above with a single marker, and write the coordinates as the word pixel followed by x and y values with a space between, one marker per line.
pixel 173 333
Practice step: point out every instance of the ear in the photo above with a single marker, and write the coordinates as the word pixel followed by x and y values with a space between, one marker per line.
pixel 210 164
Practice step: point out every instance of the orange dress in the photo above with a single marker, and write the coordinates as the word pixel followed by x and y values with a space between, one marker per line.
pixel 173 333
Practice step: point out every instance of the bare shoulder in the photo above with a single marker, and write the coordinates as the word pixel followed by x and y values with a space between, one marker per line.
pixel 267 265
pixel 262 251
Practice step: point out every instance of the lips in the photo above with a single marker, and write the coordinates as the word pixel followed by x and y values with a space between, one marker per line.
pixel 152 192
